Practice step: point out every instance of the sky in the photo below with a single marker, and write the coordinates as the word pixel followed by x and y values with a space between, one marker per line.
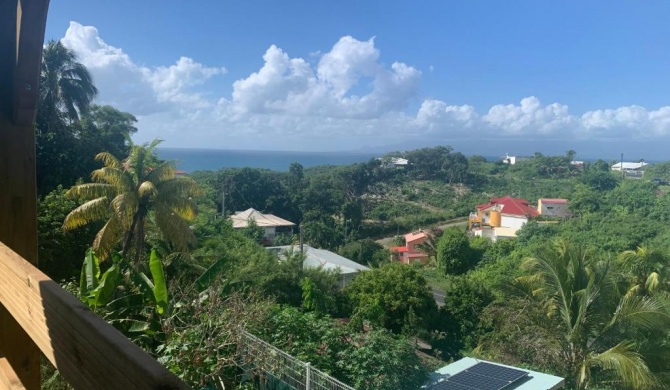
pixel 487 77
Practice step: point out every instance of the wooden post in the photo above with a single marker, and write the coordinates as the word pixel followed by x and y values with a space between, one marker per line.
pixel 22 24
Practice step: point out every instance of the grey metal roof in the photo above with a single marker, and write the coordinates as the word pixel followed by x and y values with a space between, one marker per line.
pixel 321 258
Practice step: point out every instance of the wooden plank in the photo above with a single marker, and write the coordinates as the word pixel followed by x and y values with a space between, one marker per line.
pixel 19 21
pixel 8 378
pixel 88 352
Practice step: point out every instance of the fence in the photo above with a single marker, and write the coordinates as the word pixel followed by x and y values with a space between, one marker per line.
pixel 262 358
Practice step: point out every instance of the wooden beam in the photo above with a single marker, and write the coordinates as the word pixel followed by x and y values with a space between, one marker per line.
pixel 31 22
pixel 8 378
pixel 88 352
pixel 22 26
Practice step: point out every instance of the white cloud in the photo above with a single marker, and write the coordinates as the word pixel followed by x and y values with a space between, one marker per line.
pixel 341 98
pixel 136 88
pixel 530 116
pixel 627 122
pixel 290 86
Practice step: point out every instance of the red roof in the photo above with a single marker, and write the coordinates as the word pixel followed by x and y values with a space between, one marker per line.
pixel 512 206
pixel 554 200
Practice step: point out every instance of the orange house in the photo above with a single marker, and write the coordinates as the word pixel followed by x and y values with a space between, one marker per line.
pixel 409 253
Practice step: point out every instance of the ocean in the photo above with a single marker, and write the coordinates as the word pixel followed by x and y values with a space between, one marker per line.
pixel 190 160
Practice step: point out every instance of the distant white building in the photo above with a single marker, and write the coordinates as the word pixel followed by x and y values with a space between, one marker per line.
pixel 394 162
pixel 630 168
pixel 323 259
pixel 511 160
pixel 552 207
pixel 271 225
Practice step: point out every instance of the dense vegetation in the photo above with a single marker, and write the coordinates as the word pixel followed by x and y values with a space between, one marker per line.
pixel 585 297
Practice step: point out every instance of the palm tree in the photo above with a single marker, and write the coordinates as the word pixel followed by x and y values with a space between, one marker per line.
pixel 647 269
pixel 598 331
pixel 129 195
pixel 66 86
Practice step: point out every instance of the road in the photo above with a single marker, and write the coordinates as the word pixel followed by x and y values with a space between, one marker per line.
pixel 387 241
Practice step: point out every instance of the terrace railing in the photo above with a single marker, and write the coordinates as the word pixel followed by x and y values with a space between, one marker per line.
pixel 88 352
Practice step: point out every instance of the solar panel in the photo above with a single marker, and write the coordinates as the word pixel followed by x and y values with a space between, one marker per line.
pixel 499 372
pixel 482 376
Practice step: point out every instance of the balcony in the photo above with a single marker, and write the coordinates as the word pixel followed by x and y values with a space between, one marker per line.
pixel 37 317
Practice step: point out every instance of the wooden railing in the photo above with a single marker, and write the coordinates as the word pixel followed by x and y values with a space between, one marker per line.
pixel 88 352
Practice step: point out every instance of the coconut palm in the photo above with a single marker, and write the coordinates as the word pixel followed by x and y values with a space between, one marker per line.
pixel 647 269
pixel 131 194
pixel 66 86
pixel 598 331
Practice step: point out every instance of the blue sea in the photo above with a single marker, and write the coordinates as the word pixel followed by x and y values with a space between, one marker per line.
pixel 190 160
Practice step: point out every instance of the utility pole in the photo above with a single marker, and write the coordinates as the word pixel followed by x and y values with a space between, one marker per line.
pixel 223 198
pixel 621 166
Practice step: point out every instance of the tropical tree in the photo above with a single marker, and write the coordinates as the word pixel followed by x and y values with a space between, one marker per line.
pixel 598 333
pixel 66 92
pixel 131 194
pixel 646 267
pixel 66 86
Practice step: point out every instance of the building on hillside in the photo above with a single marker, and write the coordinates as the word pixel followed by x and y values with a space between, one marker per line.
pixel 577 164
pixel 500 218
pixel 410 253
pixel 633 169
pixel 511 160
pixel 553 207
pixel 477 374
pixel 323 259
pixel 394 162
pixel 272 225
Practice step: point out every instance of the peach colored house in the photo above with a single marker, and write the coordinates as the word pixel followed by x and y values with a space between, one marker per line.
pixel 409 253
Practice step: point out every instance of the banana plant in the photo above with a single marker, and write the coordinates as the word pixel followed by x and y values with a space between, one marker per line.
pixel 128 299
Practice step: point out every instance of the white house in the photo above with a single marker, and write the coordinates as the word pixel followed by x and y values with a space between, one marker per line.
pixel 552 207
pixel 271 225
pixel 500 217
pixel 511 160
pixel 630 168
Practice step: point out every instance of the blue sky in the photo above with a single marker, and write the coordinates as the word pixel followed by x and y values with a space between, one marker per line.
pixel 488 77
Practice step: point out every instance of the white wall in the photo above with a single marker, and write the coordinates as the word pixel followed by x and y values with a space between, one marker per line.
pixel 511 221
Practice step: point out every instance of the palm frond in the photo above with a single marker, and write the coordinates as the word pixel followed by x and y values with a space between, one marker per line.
pixel 125 205
pixel 115 177
pixel 174 228
pixel 107 237
pixel 93 210
pixel 91 191
pixel 625 364
pixel 109 160
pixel 163 172
pixel 642 312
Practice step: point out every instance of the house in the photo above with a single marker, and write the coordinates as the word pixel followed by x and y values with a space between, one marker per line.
pixel 552 207
pixel 633 169
pixel 323 259
pixel 511 160
pixel 410 253
pixel 394 162
pixel 477 374
pixel 271 225
pixel 500 218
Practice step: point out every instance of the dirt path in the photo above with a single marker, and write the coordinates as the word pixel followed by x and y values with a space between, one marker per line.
pixel 462 221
